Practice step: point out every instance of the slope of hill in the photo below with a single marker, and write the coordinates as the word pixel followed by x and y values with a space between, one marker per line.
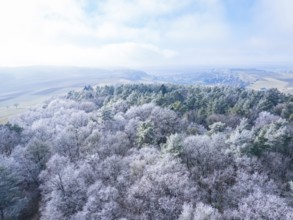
pixel 22 88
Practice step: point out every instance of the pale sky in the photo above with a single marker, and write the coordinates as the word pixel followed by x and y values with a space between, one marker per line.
pixel 134 33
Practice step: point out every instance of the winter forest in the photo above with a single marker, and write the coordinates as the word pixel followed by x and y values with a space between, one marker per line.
pixel 150 152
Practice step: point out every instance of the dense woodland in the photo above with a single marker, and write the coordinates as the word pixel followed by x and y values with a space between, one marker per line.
pixel 150 152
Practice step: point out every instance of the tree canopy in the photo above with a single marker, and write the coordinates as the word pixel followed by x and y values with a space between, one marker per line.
pixel 150 152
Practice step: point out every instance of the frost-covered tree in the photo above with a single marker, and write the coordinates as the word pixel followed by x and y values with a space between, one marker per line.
pixel 145 133
pixel 10 191
pixel 174 144
pixel 63 191
pixel 10 137
pixel 161 190
pixel 259 205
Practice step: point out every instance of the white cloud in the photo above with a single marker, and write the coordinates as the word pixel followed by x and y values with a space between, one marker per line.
pixel 275 17
pixel 270 39
pixel 140 32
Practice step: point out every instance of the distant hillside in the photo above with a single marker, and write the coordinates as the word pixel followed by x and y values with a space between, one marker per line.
pixel 23 87
pixel 205 78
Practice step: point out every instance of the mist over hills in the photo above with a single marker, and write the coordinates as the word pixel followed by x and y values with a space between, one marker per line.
pixel 26 83
pixel 34 78
pixel 27 86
